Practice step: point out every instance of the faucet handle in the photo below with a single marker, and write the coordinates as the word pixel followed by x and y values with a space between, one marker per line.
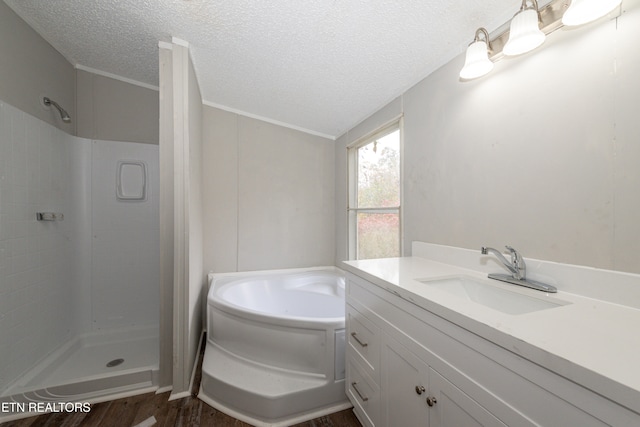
pixel 512 251
pixel 518 262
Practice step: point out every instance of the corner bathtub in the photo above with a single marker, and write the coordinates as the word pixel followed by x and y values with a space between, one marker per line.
pixel 275 345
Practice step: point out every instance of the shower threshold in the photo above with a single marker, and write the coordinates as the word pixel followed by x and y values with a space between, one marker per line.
pixel 88 369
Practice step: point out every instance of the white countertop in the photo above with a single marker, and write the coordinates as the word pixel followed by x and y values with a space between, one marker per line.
pixel 591 342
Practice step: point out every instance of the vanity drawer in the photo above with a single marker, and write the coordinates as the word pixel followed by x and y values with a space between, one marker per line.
pixel 363 393
pixel 364 339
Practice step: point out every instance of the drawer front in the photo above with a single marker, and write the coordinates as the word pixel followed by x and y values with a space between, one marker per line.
pixel 363 393
pixel 364 340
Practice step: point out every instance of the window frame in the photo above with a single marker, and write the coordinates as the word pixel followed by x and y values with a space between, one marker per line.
pixel 352 185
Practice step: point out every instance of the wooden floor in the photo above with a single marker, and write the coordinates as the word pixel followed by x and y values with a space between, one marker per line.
pixel 187 412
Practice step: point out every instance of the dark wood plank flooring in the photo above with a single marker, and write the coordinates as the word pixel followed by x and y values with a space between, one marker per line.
pixel 187 412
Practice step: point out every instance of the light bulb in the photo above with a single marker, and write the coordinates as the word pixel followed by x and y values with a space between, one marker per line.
pixel 524 33
pixel 477 62
pixel 584 11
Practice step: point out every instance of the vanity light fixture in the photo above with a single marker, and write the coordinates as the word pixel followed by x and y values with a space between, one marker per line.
pixel 524 33
pixel 477 62
pixel 584 11
pixel 528 30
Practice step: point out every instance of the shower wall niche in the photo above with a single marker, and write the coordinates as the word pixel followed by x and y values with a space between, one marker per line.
pixel 92 277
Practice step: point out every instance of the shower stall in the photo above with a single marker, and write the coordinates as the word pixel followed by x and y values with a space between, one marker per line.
pixel 79 264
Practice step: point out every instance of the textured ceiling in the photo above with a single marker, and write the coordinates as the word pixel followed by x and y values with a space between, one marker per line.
pixel 319 65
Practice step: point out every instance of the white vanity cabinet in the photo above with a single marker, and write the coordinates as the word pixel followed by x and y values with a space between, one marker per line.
pixel 363 366
pixel 414 394
pixel 389 385
pixel 404 386
pixel 408 367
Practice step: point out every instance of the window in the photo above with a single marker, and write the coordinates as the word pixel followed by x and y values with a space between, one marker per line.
pixel 374 195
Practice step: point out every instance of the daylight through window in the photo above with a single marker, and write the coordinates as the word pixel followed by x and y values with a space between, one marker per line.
pixel 374 195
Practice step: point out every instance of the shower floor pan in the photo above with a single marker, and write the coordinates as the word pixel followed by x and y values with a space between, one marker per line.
pixel 92 368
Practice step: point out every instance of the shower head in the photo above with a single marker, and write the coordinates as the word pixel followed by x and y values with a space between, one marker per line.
pixel 63 113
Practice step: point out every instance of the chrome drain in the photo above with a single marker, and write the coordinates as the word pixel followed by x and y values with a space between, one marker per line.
pixel 115 362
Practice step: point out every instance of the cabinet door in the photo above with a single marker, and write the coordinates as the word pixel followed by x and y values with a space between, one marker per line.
pixel 453 408
pixel 404 386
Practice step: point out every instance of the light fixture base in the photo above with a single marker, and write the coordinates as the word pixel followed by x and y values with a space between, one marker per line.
pixel 550 19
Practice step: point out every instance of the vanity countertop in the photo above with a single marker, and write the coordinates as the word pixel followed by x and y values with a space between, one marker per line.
pixel 591 342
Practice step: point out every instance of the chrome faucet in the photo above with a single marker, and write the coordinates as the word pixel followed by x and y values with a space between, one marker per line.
pixel 518 270
pixel 517 267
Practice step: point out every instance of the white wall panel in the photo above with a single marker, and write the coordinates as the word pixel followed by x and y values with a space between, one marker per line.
pixel 124 239
pixel 269 195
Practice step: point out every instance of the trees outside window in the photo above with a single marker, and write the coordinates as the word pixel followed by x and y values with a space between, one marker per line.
pixel 374 195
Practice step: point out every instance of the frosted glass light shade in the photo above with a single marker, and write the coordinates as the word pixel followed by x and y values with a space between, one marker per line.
pixel 584 11
pixel 524 33
pixel 477 62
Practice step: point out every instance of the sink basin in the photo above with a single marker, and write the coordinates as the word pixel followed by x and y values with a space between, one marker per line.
pixel 491 296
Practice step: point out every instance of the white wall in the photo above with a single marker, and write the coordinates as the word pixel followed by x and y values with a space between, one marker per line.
pixel 220 185
pixel 197 274
pixel 124 240
pixel 31 68
pixel 540 154
pixel 36 258
pixel 268 194
pixel 167 215
pixel 113 110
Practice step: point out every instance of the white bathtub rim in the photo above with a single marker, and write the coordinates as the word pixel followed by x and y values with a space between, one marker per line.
pixel 226 279
pixel 289 321
pixel 299 418
pixel 331 268
pixel 223 288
